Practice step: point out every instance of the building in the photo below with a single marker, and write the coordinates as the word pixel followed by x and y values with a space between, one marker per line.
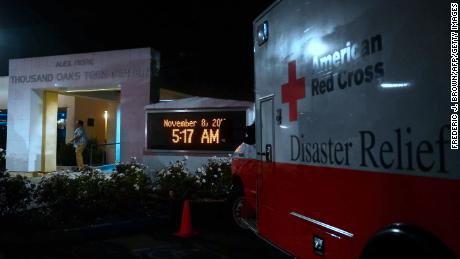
pixel 100 108
pixel 103 88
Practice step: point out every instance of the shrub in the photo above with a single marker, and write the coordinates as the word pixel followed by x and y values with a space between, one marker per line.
pixel 59 195
pixel 2 160
pixel 215 178
pixel 70 199
pixel 15 194
pixel 176 181
pixel 132 188
pixel 15 198
pixel 94 195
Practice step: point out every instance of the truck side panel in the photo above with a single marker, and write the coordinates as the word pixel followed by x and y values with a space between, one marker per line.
pixel 362 140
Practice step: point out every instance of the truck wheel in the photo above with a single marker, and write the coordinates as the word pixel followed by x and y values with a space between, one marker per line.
pixel 400 241
pixel 237 206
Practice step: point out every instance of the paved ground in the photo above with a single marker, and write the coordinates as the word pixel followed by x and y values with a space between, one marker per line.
pixel 217 238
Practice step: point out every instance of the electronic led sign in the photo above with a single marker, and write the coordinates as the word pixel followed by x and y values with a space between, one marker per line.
pixel 192 130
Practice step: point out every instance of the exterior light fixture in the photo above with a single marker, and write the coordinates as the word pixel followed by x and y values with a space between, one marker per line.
pixel 262 33
pixel 92 90
pixel 106 116
pixel 394 85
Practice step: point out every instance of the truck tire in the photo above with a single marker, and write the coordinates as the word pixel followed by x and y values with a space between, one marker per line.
pixel 399 241
pixel 237 205
pixel 236 202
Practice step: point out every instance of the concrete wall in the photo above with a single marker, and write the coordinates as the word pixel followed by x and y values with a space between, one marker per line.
pixel 157 162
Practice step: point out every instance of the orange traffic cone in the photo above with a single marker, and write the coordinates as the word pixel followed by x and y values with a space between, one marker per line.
pixel 186 229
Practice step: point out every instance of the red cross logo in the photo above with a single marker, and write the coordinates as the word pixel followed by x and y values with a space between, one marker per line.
pixel 292 91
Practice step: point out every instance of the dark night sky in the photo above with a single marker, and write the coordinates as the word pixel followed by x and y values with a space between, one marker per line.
pixel 206 46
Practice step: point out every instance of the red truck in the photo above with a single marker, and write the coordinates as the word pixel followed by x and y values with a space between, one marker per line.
pixel 352 155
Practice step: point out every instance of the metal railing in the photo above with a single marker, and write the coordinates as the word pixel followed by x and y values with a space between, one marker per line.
pixel 100 154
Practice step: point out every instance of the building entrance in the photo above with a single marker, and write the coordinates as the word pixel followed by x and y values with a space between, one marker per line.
pixel 99 111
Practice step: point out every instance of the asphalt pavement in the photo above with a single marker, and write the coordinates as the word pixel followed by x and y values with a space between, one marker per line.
pixel 216 237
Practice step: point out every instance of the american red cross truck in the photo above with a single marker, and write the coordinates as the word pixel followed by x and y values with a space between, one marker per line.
pixel 352 155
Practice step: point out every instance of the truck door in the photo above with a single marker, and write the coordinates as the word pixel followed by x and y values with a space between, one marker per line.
pixel 267 129
pixel 266 154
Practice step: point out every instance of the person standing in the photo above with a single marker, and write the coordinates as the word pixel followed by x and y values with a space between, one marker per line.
pixel 79 143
